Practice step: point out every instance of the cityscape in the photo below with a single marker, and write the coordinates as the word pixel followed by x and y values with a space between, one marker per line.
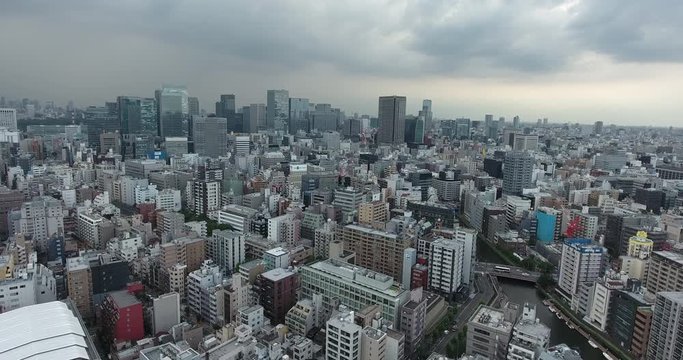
pixel 497 204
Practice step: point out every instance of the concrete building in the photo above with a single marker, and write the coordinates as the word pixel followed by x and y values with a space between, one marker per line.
pixel 664 273
pixel 202 285
pixel 210 136
pixel 277 110
pixel 489 331
pixel 374 214
pixel 581 263
pixel 8 119
pixel 184 251
pixel 519 168
pixel 122 317
pixel 140 169
pixel 446 262
pixel 376 250
pixel 447 186
pixel 392 117
pixel 94 230
pixel 237 216
pixel 169 199
pixel 666 333
pixel 25 285
pixel 277 293
pixel 530 337
pixel 323 237
pixel 414 320
pixel 169 223
pixel 252 316
pixel 354 286
pixel 206 196
pixel 305 315
pixel 373 344
pixel 226 249
pixel 348 199
pixel 343 337
pixel 629 321
pixel 79 285
pixel 41 218
pixel 276 258
pixel 165 312
pixel 409 259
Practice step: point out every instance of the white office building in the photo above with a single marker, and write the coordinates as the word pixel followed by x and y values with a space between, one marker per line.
pixel 28 284
pixel 581 263
pixel 446 262
pixel 252 316
pixel 343 337
pixel 237 216
pixel 8 119
pixel 226 249
pixel 41 218
pixel 169 199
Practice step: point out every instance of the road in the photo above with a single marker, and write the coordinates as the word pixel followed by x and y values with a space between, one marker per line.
pixel 484 293
pixel 515 272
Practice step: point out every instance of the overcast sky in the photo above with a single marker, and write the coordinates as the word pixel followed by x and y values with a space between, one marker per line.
pixel 620 61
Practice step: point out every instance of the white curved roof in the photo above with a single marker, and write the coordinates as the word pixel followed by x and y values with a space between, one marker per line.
pixel 42 331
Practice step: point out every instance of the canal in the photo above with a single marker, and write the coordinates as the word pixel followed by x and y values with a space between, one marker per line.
pixel 521 292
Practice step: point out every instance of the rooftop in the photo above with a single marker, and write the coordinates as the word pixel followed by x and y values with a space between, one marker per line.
pixel 560 352
pixel 44 331
pixel 123 298
pixel 277 274
pixel 670 255
pixel 491 318
pixel 359 275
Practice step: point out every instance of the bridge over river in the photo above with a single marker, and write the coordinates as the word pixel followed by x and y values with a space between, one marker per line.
pixel 508 272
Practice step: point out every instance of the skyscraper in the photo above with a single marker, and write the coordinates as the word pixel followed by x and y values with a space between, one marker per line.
pixel 298 115
pixel 174 111
pixel 137 115
pixel 225 106
pixel 597 128
pixel 392 114
pixel 257 117
pixel 518 170
pixel 426 114
pixel 193 105
pixel 210 136
pixel 277 110
pixel 515 122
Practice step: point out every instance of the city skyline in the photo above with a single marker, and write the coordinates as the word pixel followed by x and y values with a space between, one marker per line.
pixel 469 57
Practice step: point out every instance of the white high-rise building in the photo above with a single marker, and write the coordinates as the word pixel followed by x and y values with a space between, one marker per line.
pixel 666 332
pixel 581 263
pixel 202 285
pixel 226 249
pixel 343 341
pixel 445 265
pixel 468 237
pixel 88 229
pixel 8 119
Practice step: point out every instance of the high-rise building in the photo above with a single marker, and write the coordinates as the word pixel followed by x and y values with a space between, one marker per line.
pixel 582 263
pixel 392 114
pixel 79 285
pixel 515 122
pixel 276 290
pixel 256 116
pixel 374 214
pixel 518 172
pixel 277 109
pixel 226 248
pixel 298 115
pixel 8 119
pixel 375 249
pixel 210 136
pixel 137 115
pixel 664 273
pixel 174 111
pixel 409 259
pixel 426 113
pixel 40 218
pixel 597 128
pixel 202 285
pixel 666 332
pixel 446 261
pixel 629 320
pixel 193 106
pixel 549 225
pixel 225 106
pixel 206 196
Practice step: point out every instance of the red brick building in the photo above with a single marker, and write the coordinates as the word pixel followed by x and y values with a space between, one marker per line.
pixel 419 276
pixel 277 293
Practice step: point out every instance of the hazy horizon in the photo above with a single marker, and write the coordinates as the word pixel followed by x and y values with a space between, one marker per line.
pixel 570 61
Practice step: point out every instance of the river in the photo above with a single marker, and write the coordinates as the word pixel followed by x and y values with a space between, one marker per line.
pixel 521 292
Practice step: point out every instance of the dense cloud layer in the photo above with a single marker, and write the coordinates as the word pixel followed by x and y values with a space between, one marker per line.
pixel 348 50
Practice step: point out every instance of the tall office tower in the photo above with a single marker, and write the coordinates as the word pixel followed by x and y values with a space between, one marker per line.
pixel 426 114
pixel 409 259
pixel 515 122
pixel 8 119
pixel 488 121
pixel 597 128
pixel 414 130
pixel 298 115
pixel 462 128
pixel 276 290
pixel 581 263
pixel 193 105
pixel 210 136
pixel 368 242
pixel 446 265
pixel 137 115
pixel 392 117
pixel 666 332
pixel 41 218
pixel 257 117
pixel 225 106
pixel 357 287
pixel 174 111
pixel 518 169
pixel 343 340
pixel 226 248
pixel 277 110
